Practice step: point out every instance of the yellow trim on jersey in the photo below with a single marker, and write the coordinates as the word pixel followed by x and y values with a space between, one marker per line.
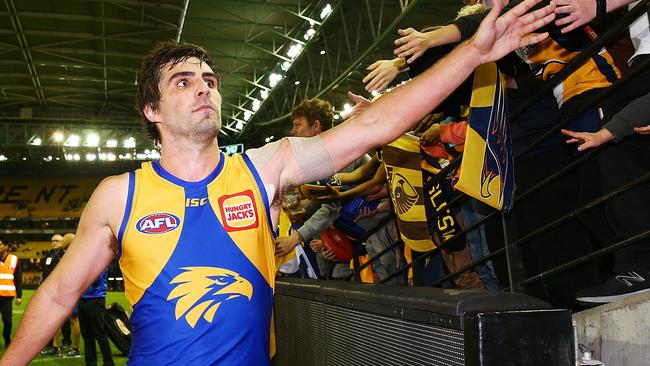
pixel 138 274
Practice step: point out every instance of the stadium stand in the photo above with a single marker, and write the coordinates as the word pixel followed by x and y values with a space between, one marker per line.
pixel 33 250
pixel 45 198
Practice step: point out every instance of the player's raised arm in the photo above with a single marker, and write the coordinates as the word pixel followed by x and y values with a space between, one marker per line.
pixel 398 111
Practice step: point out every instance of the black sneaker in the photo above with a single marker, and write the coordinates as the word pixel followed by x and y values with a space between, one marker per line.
pixel 50 351
pixel 73 353
pixel 618 286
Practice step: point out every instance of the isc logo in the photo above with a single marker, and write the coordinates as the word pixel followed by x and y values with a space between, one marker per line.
pixel 158 223
pixel 195 202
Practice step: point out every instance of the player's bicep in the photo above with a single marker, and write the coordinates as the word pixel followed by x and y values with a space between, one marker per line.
pixel 92 249
pixel 300 160
pixel 355 137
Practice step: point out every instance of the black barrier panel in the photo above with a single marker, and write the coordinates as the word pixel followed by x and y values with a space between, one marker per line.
pixel 341 323
pixel 543 337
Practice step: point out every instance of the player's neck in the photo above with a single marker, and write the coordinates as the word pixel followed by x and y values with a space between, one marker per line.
pixel 192 164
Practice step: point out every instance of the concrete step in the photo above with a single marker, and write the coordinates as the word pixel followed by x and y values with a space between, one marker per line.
pixel 618 334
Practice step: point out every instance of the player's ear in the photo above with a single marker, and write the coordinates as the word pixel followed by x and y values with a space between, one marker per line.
pixel 151 113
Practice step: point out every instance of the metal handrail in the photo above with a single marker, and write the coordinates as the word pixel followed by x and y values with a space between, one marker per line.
pixel 608 37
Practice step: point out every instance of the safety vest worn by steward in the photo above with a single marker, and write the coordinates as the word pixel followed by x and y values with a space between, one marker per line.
pixel 199 267
pixel 7 269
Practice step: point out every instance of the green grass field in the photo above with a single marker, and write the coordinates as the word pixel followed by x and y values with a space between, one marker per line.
pixel 65 361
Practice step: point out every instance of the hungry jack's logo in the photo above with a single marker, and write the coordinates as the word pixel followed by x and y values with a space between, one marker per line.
pixel 238 211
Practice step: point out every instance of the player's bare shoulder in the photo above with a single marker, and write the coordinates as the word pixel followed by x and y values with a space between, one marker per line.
pixel 108 202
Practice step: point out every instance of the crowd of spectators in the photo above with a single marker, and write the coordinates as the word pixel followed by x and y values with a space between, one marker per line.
pixel 390 183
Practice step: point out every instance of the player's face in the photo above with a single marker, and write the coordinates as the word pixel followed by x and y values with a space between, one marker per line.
pixel 190 105
pixel 301 128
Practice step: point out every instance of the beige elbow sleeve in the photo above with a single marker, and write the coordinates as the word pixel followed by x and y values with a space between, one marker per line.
pixel 313 159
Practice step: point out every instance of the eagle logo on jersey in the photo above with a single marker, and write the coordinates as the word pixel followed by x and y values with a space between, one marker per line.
pixel 201 290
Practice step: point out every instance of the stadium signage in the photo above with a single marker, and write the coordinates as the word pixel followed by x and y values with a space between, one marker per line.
pixel 158 223
pixel 232 149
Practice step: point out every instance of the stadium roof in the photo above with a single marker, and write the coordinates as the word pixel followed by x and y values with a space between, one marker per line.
pixel 71 65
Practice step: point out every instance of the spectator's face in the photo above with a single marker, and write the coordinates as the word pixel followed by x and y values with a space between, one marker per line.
pixel 301 128
pixel 57 241
pixel 3 247
pixel 67 239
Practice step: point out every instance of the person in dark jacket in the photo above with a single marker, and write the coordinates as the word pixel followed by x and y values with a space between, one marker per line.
pixel 56 345
pixel 91 305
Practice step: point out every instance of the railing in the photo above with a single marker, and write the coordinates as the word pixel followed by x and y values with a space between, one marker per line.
pixel 518 281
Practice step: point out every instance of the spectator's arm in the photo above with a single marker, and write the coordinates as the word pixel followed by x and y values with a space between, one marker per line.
pixel 319 221
pixel 412 44
pixel 383 72
pixel 360 173
pixel 368 187
pixel 581 12
pixel 285 244
pixel 434 138
pixel 635 115
pixel 453 133
pixel 644 130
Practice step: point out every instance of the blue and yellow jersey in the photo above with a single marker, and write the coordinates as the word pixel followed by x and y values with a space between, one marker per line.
pixel 551 55
pixel 198 265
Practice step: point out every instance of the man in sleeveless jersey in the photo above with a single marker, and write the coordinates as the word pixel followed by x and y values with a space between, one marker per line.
pixel 193 231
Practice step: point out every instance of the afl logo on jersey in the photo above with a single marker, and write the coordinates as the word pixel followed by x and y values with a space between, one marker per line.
pixel 158 223
pixel 238 211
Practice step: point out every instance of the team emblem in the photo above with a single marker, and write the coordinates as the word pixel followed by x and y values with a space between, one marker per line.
pixel 238 211
pixel 158 223
pixel 404 194
pixel 201 290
